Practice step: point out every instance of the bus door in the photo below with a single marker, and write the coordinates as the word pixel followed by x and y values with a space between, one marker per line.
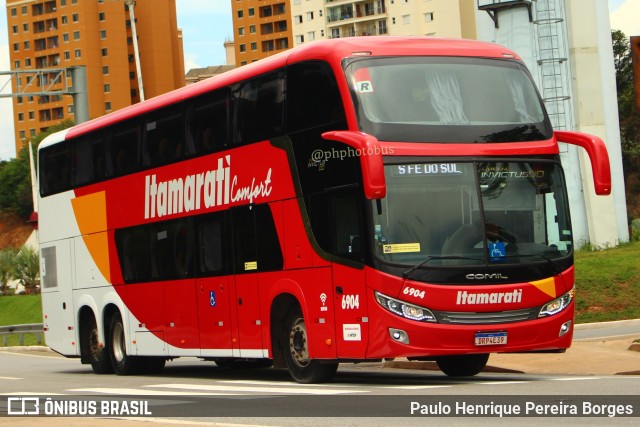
pixel 214 286
pixel 247 336
pixel 349 284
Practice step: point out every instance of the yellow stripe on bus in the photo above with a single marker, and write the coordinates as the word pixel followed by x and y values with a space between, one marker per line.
pixel 91 216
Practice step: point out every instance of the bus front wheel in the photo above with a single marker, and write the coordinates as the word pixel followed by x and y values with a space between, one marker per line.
pixel 295 342
pixel 464 365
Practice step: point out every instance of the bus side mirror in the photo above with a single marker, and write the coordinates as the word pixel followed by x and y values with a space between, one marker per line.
pixel 597 151
pixel 369 152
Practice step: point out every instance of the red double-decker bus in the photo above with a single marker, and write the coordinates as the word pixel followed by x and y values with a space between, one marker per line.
pixel 348 200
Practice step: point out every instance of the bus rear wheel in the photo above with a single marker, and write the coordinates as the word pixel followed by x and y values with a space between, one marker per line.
pixel 295 346
pixel 98 355
pixel 464 365
pixel 121 362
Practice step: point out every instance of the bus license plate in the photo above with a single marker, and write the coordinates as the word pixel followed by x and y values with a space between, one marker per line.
pixel 491 338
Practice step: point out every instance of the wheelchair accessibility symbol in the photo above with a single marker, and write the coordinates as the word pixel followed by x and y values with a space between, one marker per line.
pixel 497 251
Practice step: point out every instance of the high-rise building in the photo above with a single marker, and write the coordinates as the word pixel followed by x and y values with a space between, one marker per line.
pixel 97 34
pixel 261 28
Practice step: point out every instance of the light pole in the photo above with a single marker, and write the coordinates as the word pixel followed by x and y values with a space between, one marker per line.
pixel 136 51
pixel 130 5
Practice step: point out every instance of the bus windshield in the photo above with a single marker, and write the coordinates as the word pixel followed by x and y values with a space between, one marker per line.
pixel 465 213
pixel 446 99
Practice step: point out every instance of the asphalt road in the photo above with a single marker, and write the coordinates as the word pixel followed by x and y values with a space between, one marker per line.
pixel 191 391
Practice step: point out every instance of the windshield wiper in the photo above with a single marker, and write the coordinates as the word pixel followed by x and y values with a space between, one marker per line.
pixel 406 273
pixel 554 264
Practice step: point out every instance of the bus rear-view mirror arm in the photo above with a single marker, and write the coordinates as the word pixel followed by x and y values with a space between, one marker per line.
pixel 369 152
pixel 597 151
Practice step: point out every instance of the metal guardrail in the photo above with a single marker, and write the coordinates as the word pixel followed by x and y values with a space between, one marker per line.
pixel 21 330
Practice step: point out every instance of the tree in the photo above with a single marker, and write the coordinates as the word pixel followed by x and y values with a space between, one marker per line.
pixel 15 177
pixel 629 116
pixel 6 269
pixel 629 121
pixel 27 269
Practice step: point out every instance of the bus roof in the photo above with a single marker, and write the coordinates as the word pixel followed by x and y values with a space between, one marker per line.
pixel 332 51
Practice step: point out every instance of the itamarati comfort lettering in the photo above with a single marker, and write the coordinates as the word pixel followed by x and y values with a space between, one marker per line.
pixel 473 298
pixel 204 190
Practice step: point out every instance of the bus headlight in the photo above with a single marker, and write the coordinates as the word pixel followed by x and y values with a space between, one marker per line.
pixel 406 310
pixel 557 305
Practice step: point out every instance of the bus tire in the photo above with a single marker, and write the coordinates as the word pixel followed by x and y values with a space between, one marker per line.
pixel 98 355
pixel 464 365
pixel 295 349
pixel 122 363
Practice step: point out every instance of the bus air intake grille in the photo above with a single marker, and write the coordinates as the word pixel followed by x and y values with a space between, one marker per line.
pixel 467 318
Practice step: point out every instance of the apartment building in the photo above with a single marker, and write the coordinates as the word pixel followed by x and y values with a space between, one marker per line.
pixel 318 19
pixel 261 28
pixel 97 34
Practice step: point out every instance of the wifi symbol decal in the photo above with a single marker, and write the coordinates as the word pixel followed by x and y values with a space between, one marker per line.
pixel 323 298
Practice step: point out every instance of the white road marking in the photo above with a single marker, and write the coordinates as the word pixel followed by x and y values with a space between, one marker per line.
pixel 231 388
pixel 143 392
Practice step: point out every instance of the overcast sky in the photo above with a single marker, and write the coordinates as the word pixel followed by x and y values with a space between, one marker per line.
pixel 206 24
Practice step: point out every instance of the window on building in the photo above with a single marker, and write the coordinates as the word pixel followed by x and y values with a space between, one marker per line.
pixel 105 51
pixel 27 44
pixel 64 19
pixel 297 19
pixel 16 64
pixel 14 29
pixel 101 16
pixel 105 69
pixel 241 31
pixel 252 11
pixel 241 13
pixel 76 35
pixel 103 34
pixel 65 37
pixel 20 117
pixel 67 55
pixel 428 17
pixel 252 29
pixel 25 27
pixel 32 115
pixel 16 47
pixel 27 62
pixel 406 19
pixel 299 39
pixel 75 17
pixel 243 48
pixel 23 135
pixel 78 53
pixel 107 88
pixel 25 10
pixel 32 133
pixel 107 106
pixel 14 11
pixel 254 46
pixel 309 16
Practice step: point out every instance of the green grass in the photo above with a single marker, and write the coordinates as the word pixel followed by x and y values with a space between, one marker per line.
pixel 608 284
pixel 18 310
pixel 607 288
